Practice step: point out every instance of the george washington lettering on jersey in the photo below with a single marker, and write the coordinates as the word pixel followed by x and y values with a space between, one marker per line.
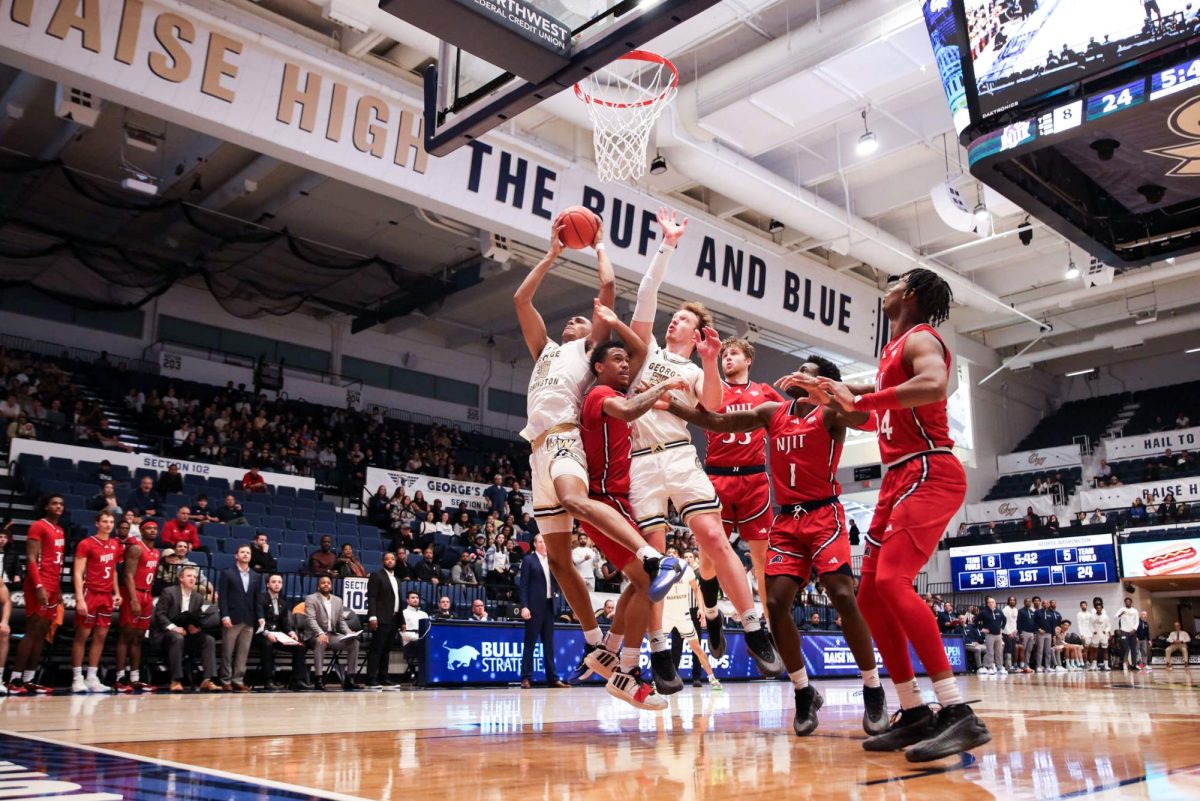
pixel 907 432
pixel 746 449
pixel 657 426
pixel 804 457
pixel 556 387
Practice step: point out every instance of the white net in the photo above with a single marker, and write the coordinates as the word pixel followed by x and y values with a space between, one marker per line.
pixel 624 99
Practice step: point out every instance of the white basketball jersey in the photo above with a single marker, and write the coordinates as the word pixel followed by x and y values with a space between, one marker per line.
pixel 1084 620
pixel 658 427
pixel 678 603
pixel 560 377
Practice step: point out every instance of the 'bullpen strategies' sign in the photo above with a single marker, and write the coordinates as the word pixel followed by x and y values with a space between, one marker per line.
pixel 828 655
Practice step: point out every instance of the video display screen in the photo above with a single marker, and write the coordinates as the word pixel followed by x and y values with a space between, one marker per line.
pixel 1021 49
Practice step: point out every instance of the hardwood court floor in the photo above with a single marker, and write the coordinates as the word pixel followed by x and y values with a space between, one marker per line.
pixel 1103 736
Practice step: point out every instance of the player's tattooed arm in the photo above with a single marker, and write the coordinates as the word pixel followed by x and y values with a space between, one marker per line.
pixel 635 348
pixel 630 409
pixel 728 423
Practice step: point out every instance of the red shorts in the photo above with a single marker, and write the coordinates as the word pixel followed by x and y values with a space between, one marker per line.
pixel 139 622
pixel 100 609
pixel 745 504
pixel 617 554
pixel 32 607
pixel 916 501
pixel 813 539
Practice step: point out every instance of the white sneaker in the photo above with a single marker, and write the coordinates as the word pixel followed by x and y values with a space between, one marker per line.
pixel 631 689
pixel 1002 674
pixel 1149 667
pixel 96 686
pixel 1060 669
pixel 1040 670
pixel 78 685
pixel 602 661
pixel 984 671
pixel 714 683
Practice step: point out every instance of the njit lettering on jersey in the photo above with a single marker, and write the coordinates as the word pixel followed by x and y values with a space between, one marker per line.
pixel 788 443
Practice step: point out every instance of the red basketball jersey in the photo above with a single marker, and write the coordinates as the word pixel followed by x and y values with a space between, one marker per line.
pixel 740 450
pixel 101 562
pixel 53 542
pixel 607 442
pixel 804 458
pixel 904 432
pixel 143 574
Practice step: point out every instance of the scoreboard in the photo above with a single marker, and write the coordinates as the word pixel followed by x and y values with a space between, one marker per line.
pixel 1059 561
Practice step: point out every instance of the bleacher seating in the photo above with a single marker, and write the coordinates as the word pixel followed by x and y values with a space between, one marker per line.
pixel 1017 485
pixel 1090 416
pixel 1158 408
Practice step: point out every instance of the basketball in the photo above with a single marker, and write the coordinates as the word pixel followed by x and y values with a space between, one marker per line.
pixel 579 228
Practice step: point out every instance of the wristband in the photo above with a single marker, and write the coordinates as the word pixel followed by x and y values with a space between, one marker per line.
pixel 599 247
pixel 877 401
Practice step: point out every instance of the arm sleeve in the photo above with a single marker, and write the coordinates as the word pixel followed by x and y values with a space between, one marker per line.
pixel 647 295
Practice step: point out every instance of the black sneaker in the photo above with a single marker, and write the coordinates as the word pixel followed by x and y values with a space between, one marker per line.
pixel 762 648
pixel 666 679
pixel 716 635
pixel 908 727
pixel 957 729
pixel 581 671
pixel 875 716
pixel 808 701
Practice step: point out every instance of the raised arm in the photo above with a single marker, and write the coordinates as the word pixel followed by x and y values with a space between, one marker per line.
pixel 728 423
pixel 533 327
pixel 630 409
pixel 710 391
pixel 635 348
pixel 929 383
pixel 647 295
pixel 601 328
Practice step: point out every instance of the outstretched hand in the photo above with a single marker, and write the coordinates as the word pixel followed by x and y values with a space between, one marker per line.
pixel 556 243
pixel 708 343
pixel 604 313
pixel 802 385
pixel 840 396
pixel 672 225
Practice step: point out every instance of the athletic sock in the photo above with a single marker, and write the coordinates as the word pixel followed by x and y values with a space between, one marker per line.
pixel 612 642
pixel 135 676
pixel 910 694
pixel 593 636
pixel 659 641
pixel 871 678
pixel 27 676
pixel 629 658
pixel 91 673
pixel 710 590
pixel 751 621
pixel 77 672
pixel 799 678
pixel 947 692
pixel 648 552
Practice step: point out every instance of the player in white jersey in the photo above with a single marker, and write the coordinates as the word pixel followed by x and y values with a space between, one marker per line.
pixel 561 375
pixel 665 466
pixel 1100 630
pixel 677 617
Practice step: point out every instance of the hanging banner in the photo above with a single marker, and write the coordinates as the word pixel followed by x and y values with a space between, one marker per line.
pixel 1009 509
pixel 1184 489
pixel 1049 459
pixel 450 492
pixel 1183 439
pixel 246 80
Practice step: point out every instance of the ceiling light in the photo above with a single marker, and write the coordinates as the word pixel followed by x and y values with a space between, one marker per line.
pixel 1072 271
pixel 775 226
pixel 658 165
pixel 1193 350
pixel 867 143
pixel 1081 372
pixel 981 212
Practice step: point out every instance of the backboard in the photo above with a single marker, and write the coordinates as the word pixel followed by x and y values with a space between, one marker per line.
pixel 501 57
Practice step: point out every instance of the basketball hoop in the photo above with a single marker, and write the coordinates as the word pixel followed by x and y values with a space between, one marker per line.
pixel 624 99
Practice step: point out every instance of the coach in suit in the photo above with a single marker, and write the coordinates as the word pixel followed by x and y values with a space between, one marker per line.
pixel 177 614
pixel 383 609
pixel 536 588
pixel 327 629
pixel 239 596
pixel 276 613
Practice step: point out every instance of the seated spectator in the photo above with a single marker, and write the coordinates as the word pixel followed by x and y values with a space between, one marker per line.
pixel 177 614
pixel 323 561
pixel 201 513
pixel 1039 487
pixel 1095 518
pixel 444 526
pixel 1177 643
pixel 813 624
pixel 1151 512
pixel 443 611
pixel 1166 510
pixel 1031 520
pixel 1137 512
pixel 604 616
pixel 1080 520
pixel 1159 424
pixel 173 561
pixel 1182 420
pixel 254 482
pixel 105 471
pixel 1104 473
pixel 106 437
pixel 1182 512
pixel 419 504
pixel 464 571
pixel 478 611
pixel 10 558
pixel 181 528
pixel 231 513
pixel 496 566
pixel 410 634
pixel 403 571
pixel 427 569
pixel 327 629
pixel 1167 463
pixel 261 560
pixel 1052 524
pixel 277 631
pixel 169 482
pixel 975 643
pixel 949 621
pixel 1115 481
pixel 106 499
pixel 21 428
pixel 378 512
pixel 10 408
pixel 1183 463
pixel 348 564
pixel 144 502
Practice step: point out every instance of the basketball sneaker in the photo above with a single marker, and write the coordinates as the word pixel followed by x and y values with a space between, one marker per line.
pixel 143 687
pixel 79 685
pixel 123 686
pixel 666 679
pixel 16 688
pixel 808 701
pixel 762 648
pixel 37 689
pixel 956 730
pixel 663 572
pixel 714 683
pixel 716 635
pixel 875 716
pixel 907 727
pixel 582 671
pixel 633 690
pixel 95 686
pixel 602 661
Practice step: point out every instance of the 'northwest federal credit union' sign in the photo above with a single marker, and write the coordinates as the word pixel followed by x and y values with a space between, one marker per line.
pixel 251 82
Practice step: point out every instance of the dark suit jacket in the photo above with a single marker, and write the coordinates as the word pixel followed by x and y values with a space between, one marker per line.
pixel 238 604
pixel 532 585
pixel 169 608
pixel 273 622
pixel 381 601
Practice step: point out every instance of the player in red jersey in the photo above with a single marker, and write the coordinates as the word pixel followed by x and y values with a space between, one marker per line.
pixel 809 533
pixel 137 607
pixel 97 594
pixel 924 487
pixel 605 424
pixel 736 464
pixel 44 548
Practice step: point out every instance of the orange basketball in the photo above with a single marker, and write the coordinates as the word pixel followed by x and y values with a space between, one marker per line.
pixel 579 227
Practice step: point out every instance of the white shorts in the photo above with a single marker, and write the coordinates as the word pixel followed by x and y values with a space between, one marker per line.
pixel 1098 641
pixel 669 473
pixel 680 622
pixel 560 454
